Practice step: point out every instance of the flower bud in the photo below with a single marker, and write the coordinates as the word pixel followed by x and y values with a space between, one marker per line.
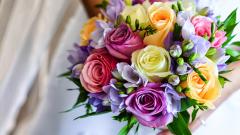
pixel 188 46
pixel 180 61
pixel 184 69
pixel 192 57
pixel 174 80
pixel 179 89
pixel 175 51
pixel 211 51
pixel 183 77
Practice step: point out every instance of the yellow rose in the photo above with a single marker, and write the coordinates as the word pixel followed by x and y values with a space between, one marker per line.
pixel 163 18
pixel 153 62
pixel 87 30
pixel 203 92
pixel 136 12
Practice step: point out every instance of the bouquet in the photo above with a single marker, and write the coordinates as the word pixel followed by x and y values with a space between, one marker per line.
pixel 152 63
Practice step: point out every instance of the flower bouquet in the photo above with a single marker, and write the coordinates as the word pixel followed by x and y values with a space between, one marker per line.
pixel 152 63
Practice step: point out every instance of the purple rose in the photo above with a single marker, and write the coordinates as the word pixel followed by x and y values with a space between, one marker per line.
pixel 122 41
pixel 149 105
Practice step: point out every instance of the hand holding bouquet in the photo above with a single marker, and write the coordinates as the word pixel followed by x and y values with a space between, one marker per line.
pixel 151 62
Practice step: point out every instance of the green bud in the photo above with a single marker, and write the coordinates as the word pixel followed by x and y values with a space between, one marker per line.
pixel 137 24
pixel 130 90
pixel 180 5
pixel 192 57
pixel 180 61
pixel 188 46
pixel 121 92
pixel 128 20
pixel 174 80
pixel 186 90
pixel 211 51
pixel 175 7
pixel 204 11
pixel 183 77
pixel 179 89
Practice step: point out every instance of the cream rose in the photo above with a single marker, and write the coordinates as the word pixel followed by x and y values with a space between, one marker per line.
pixel 203 92
pixel 163 18
pixel 153 62
pixel 136 12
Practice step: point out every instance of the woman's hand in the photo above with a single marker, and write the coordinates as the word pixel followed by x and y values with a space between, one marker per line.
pixel 227 91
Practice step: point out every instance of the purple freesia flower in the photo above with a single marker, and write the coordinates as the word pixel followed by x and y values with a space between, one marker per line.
pixel 79 54
pixel 184 69
pixel 128 73
pixel 102 28
pixel 151 105
pixel 188 30
pixel 114 8
pixel 201 46
pixel 99 100
pixel 109 98
pixel 173 99
pixel 116 100
pixel 220 58
pixel 77 57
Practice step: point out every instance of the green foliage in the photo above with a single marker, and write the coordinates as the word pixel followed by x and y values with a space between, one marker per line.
pixel 103 5
pixel 223 80
pixel 226 71
pixel 194 113
pixel 187 103
pixel 179 126
pixel 229 25
pixel 123 116
pixel 237 43
pixel 186 116
pixel 131 122
pixel 177 32
pixel 66 74
pixel 92 114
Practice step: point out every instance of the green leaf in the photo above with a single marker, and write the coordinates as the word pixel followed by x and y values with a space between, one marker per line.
pixel 223 80
pixel 186 116
pixel 103 5
pixel 74 107
pixel 231 52
pixel 231 19
pixel 92 114
pixel 236 43
pixel 194 113
pixel 66 74
pixel 226 71
pixel 137 128
pixel 179 126
pixel 228 40
pixel 123 116
pixel 177 32
pixel 125 130
pixel 187 103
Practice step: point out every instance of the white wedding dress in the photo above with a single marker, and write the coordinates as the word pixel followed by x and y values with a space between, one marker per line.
pixel 34 37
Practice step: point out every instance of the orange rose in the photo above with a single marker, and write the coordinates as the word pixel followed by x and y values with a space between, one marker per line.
pixel 203 92
pixel 163 18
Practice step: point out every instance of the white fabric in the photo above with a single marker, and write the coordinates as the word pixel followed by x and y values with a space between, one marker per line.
pixel 34 37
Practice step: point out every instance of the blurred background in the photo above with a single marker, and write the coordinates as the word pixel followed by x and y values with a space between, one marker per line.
pixel 34 38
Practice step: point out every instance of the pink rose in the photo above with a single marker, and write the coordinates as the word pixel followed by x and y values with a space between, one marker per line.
pixel 97 71
pixel 220 38
pixel 202 25
pixel 122 42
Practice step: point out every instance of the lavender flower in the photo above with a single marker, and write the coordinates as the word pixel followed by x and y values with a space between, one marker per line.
pixel 129 74
pixel 79 54
pixel 188 30
pixel 173 99
pixel 99 100
pixel 220 58
pixel 201 46
pixel 116 100
pixel 184 69
pixel 102 28
pixel 114 8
